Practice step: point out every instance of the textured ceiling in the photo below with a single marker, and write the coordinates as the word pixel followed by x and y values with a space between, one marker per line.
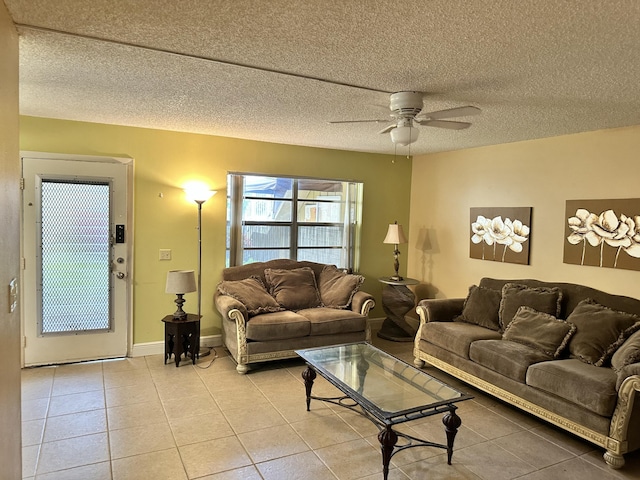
pixel 279 71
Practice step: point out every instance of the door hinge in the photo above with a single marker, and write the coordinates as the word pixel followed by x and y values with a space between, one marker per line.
pixel 24 342
pixel 23 263
pixel 21 183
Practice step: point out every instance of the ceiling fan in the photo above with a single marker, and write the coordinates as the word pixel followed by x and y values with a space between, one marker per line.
pixel 406 111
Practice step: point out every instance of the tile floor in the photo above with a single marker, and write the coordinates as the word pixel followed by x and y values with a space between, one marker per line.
pixel 139 419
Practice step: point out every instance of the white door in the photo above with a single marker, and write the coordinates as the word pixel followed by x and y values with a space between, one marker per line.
pixel 76 248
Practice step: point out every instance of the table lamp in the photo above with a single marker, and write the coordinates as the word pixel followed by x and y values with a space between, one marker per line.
pixel 395 236
pixel 180 282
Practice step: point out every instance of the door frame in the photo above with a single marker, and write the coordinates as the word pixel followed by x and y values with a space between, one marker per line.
pixel 128 163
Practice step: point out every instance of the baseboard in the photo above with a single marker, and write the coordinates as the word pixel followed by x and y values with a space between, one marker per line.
pixel 157 348
pixel 376 323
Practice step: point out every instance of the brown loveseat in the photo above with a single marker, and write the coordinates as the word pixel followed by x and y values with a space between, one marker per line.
pixel 269 309
pixel 567 353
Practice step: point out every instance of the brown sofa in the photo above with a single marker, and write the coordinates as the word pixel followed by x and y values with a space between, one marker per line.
pixel 572 360
pixel 270 309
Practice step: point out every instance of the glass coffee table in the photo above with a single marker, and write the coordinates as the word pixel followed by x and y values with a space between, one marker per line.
pixel 385 390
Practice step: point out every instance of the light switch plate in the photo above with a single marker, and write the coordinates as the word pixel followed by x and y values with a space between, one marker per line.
pixel 165 254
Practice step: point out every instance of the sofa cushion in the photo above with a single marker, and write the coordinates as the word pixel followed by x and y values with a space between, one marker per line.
pixel 628 353
pixel 583 384
pixel 337 288
pixel 514 296
pixel 293 289
pixel 481 307
pixel 252 294
pixel 277 326
pixel 540 331
pixel 456 337
pixel 600 331
pixel 510 359
pixel 328 321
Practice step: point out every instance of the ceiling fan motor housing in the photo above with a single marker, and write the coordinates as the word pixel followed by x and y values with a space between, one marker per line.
pixel 406 104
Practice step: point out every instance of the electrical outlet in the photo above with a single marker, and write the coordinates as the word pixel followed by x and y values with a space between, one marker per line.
pixel 165 254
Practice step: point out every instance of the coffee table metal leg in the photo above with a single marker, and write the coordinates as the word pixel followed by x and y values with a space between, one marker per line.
pixel 387 439
pixel 309 375
pixel 451 423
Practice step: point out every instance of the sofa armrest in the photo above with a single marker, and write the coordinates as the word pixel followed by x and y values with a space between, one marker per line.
pixel 626 372
pixel 626 417
pixel 362 302
pixel 226 304
pixel 439 309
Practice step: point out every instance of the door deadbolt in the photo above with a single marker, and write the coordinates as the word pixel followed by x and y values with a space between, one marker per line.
pixel 120 275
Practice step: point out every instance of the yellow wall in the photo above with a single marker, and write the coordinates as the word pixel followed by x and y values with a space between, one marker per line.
pixel 10 438
pixel 542 174
pixel 164 161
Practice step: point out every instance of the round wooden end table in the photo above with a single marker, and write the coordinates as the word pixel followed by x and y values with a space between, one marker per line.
pixel 397 301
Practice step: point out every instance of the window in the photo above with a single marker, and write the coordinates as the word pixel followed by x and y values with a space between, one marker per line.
pixel 299 218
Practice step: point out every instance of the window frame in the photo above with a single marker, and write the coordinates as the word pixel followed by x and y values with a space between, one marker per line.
pixel 351 204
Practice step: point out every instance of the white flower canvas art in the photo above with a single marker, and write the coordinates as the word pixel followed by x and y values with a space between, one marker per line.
pixel 500 234
pixel 603 233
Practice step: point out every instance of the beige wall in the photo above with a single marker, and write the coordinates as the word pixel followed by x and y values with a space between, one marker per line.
pixel 10 425
pixel 542 174
pixel 164 161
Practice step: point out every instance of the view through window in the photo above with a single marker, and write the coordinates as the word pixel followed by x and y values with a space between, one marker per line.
pixel 299 218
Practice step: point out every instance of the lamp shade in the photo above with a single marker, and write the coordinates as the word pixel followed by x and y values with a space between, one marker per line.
pixel 181 281
pixel 395 234
pixel 404 135
pixel 199 195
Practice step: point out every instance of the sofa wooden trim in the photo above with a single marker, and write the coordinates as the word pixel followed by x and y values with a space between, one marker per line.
pixel 615 443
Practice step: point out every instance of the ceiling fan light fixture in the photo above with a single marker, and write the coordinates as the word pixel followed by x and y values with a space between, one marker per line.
pixel 404 135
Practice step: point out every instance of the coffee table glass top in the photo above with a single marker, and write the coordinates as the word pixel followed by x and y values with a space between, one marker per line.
pixel 386 385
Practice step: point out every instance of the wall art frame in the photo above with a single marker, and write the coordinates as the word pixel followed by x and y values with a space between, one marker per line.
pixel 500 234
pixel 603 233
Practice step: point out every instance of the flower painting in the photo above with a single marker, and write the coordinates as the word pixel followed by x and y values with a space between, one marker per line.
pixel 501 234
pixel 603 233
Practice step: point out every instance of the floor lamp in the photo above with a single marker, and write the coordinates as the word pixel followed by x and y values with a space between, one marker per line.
pixel 200 196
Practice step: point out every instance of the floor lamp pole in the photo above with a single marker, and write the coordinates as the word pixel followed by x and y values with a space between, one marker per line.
pixel 200 352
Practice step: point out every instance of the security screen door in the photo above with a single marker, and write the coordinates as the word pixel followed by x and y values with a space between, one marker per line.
pixel 75 270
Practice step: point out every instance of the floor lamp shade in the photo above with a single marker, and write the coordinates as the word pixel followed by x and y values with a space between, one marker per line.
pixel 199 195
pixel 180 282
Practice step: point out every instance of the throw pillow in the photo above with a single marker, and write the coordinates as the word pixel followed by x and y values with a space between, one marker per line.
pixel 539 330
pixel 514 296
pixel 337 288
pixel 251 293
pixel 293 289
pixel 628 353
pixel 481 307
pixel 601 330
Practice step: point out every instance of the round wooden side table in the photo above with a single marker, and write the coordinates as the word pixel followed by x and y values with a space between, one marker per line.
pixel 397 301
pixel 181 337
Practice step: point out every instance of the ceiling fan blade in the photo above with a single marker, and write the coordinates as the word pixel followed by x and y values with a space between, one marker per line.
pixel 358 121
pixel 444 124
pixel 388 129
pixel 452 112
